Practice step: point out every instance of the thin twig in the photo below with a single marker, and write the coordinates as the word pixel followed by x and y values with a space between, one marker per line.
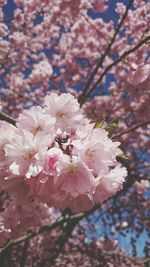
pixel 102 58
pixel 45 228
pixel 133 128
pixel 7 118
pixel 124 54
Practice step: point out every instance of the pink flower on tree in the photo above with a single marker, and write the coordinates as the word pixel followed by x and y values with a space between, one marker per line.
pixel 110 184
pixel 41 70
pixel 27 152
pixel 140 74
pixel 75 178
pixel 35 120
pixel 65 109
pixel 55 155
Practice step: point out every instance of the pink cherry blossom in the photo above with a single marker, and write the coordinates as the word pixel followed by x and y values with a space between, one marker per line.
pixel 110 184
pixel 41 70
pixel 97 151
pixel 25 151
pixel 77 204
pixel 140 74
pixel 34 120
pixel 65 109
pixel 75 178
pixel 5 139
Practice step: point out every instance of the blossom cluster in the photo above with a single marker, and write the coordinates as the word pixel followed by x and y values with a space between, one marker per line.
pixel 17 219
pixel 56 156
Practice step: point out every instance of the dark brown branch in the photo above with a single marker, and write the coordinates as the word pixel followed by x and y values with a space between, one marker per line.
pixel 43 229
pixel 24 254
pixel 62 240
pixel 125 54
pixel 7 118
pixel 133 128
pixel 102 58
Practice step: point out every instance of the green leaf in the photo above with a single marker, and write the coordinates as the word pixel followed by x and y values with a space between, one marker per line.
pixel 99 124
pixel 111 129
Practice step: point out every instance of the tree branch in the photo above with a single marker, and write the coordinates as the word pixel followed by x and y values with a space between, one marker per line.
pixel 102 58
pixel 133 128
pixel 24 254
pixel 7 118
pixel 45 228
pixel 125 54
